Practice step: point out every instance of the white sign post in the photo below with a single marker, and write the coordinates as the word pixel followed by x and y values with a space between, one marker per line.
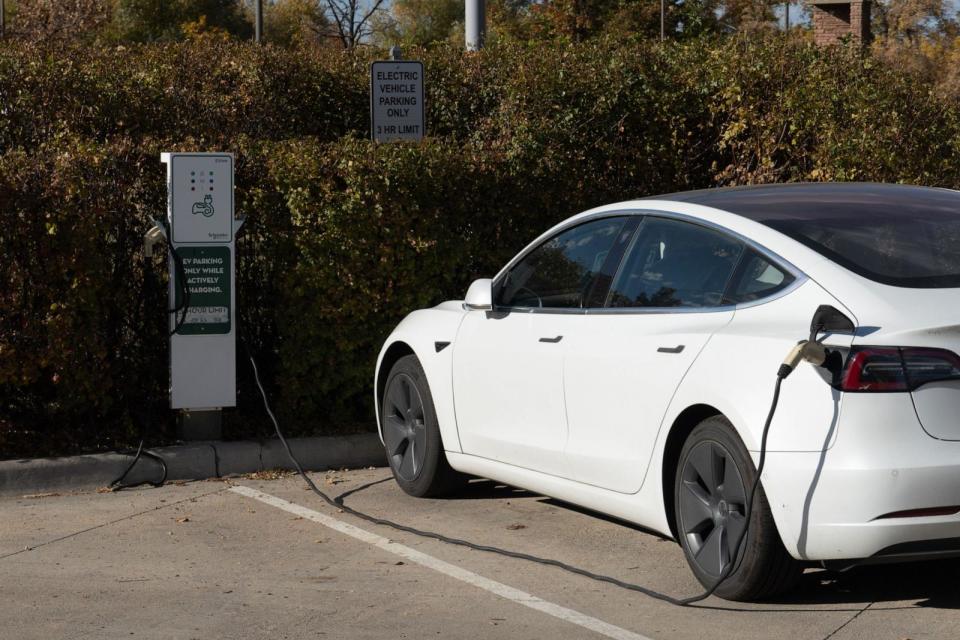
pixel 396 100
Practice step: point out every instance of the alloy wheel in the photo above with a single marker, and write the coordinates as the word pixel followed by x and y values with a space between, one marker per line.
pixel 404 428
pixel 712 506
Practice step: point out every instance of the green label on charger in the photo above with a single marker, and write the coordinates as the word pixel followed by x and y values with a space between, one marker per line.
pixel 207 271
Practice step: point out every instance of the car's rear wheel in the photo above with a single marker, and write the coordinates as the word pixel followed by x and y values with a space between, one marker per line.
pixel 713 479
pixel 411 434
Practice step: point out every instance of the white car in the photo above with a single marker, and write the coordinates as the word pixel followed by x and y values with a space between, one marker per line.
pixel 625 361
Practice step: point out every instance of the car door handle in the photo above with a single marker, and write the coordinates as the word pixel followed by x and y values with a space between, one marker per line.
pixel 553 340
pixel 676 349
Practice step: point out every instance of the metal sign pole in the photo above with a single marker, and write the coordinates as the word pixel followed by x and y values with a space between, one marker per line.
pixel 258 21
pixel 663 20
pixel 475 24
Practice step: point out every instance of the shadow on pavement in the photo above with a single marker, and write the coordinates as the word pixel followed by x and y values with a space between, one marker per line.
pixel 931 583
pixel 928 584
pixel 489 490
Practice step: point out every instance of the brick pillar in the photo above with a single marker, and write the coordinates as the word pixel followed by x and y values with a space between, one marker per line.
pixel 836 19
pixel 860 21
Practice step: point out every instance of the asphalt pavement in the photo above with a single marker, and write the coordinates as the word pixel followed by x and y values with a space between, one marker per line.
pixel 262 557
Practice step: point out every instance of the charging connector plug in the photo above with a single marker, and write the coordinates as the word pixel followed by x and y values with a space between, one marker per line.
pixel 152 238
pixel 809 350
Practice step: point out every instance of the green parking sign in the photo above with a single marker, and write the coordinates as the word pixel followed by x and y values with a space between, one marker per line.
pixel 207 271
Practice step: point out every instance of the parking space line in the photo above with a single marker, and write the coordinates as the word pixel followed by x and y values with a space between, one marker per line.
pixel 497 588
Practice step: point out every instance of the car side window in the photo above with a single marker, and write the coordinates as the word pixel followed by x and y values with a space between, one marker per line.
pixel 675 264
pixel 561 273
pixel 756 278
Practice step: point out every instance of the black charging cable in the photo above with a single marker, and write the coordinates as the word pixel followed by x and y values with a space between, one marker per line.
pixel 118 483
pixel 338 503
pixel 180 275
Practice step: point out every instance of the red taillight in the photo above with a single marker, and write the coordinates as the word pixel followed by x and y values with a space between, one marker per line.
pixel 897 368
pixel 874 369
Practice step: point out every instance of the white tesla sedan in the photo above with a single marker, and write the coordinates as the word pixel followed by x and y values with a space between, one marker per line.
pixel 625 361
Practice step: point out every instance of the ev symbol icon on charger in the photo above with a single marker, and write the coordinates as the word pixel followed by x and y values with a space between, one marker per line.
pixel 205 207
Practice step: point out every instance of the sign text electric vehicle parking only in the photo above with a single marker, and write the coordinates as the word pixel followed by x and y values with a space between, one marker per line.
pixel 396 100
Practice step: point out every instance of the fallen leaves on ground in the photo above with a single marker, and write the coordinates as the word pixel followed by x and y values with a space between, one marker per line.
pixel 269 474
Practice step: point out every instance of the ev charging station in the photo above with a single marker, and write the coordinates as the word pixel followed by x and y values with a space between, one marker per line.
pixel 202 229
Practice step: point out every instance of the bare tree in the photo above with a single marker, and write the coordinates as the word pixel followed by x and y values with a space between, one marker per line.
pixel 352 19
pixel 911 21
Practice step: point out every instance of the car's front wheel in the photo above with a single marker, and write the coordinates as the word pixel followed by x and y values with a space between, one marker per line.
pixel 411 434
pixel 713 478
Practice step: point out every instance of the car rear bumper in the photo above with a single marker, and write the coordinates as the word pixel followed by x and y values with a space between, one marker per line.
pixel 837 504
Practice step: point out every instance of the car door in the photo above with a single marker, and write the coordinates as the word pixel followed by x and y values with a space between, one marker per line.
pixel 625 363
pixel 508 362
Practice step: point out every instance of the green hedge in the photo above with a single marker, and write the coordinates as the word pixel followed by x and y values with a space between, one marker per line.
pixel 344 237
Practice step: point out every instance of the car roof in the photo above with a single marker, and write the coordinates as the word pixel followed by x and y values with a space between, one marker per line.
pixel 752 213
pixel 817 200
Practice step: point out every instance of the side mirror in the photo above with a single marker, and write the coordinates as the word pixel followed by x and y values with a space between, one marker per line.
pixel 479 295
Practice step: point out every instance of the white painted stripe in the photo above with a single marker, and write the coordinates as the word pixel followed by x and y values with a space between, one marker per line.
pixel 405 552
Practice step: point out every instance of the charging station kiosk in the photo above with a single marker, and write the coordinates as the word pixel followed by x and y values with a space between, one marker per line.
pixel 202 229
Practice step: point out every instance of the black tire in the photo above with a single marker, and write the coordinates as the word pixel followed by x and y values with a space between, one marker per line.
pixel 709 493
pixel 411 434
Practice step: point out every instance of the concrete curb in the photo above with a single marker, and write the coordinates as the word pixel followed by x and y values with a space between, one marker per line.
pixel 194 461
